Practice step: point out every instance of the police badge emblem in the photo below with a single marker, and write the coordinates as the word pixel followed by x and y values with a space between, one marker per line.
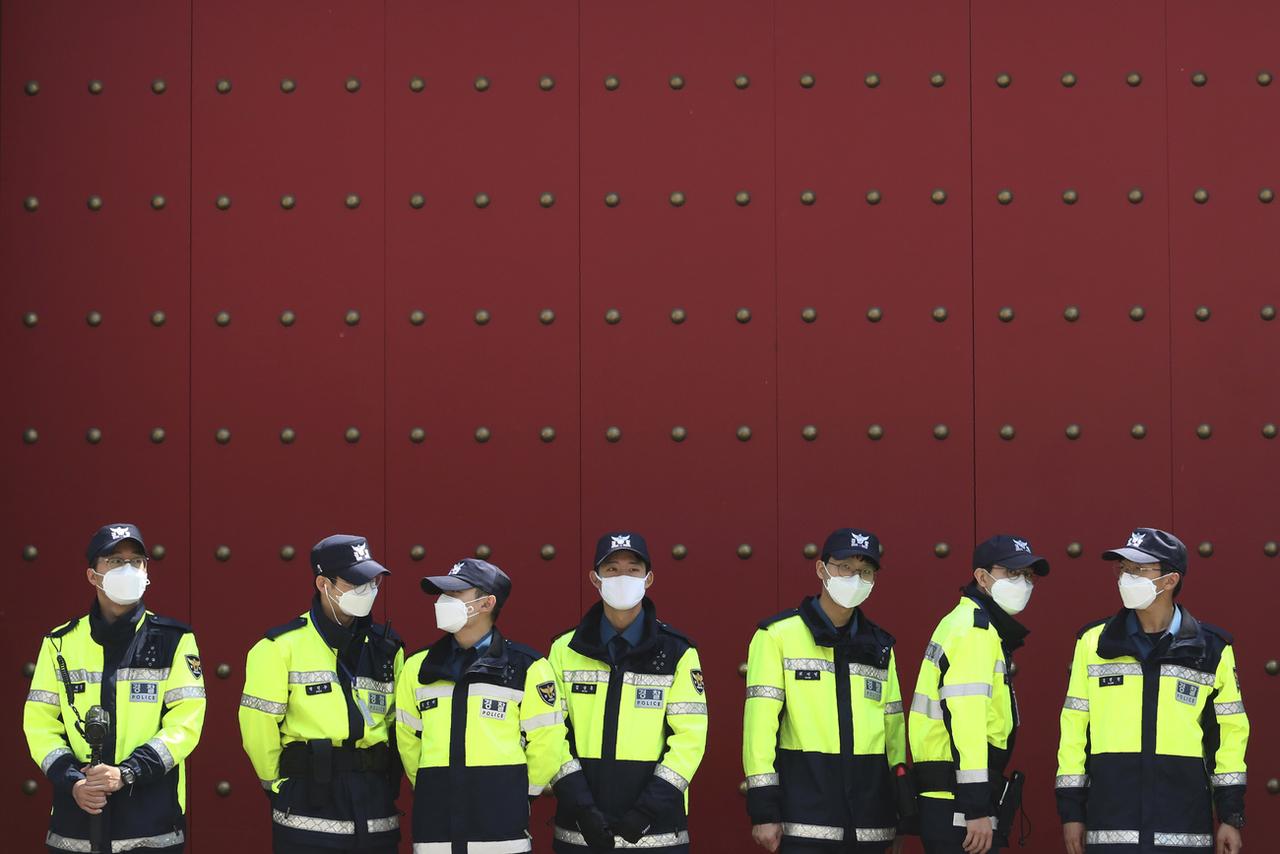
pixel 698 684
pixel 547 691
pixel 193 664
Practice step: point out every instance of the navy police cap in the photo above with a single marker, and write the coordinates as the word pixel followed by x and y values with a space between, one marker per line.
pixel 468 573
pixel 1010 552
pixel 622 541
pixel 347 557
pixel 108 536
pixel 1151 545
pixel 852 542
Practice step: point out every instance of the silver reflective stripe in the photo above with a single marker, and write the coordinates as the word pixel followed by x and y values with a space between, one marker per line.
pixel 894 708
pixel 1115 670
pixel 164 840
pixel 670 776
pixel 1183 840
pixel 965 689
pixel 1177 672
pixel 933 653
pixel 765 692
pixel 809 664
pixel 251 702
pixel 307 677
pixel 976 776
pixel 162 750
pixel 959 820
pixel 80 675
pixel 1001 667
pixel 1076 704
pixel 1071 781
pixel 495 692
pixel 573 837
pixel 812 831
pixel 1222 708
pixel 1239 779
pixel 756 781
pixel 585 676
pixel 142 674
pixel 921 704
pixel 383 825
pixel 314 824
pixel 686 708
pixel 536 791
pixel 190 692
pixel 431 691
pixel 566 769
pixel 648 680
pixel 364 683
pixel 875 834
pixel 269 785
pixel 403 716
pixel 53 756
pixel 62 843
pixel 1112 837
pixel 43 697
pixel 868 672
pixel 539 721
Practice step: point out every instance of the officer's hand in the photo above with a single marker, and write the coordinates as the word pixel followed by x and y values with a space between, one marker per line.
pixel 1229 841
pixel 767 836
pixel 978 838
pixel 595 829
pixel 633 825
pixel 89 797
pixel 106 776
pixel 1073 836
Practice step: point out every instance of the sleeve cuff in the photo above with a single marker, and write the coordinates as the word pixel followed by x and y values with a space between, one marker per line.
pixel 764 804
pixel 64 774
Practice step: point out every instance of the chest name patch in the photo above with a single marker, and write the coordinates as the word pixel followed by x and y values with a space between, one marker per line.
pixel 77 687
pixel 649 698
pixel 584 687
pixel 322 688
pixel 377 702
pixel 427 705
pixel 1187 692
pixel 1108 681
pixel 808 675
pixel 490 708
pixel 874 690
pixel 144 692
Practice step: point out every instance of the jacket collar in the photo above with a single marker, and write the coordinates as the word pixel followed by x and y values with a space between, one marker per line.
pixel 1012 633
pixel 586 638
pixel 1115 640
pixel 490 666
pixel 336 635
pixel 867 642
pixel 117 633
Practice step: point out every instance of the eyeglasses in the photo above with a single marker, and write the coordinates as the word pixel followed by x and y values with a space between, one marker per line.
pixel 114 562
pixel 1028 573
pixel 1127 568
pixel 844 570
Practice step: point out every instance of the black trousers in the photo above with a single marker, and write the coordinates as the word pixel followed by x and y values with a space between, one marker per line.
pixel 839 848
pixel 938 830
pixel 287 848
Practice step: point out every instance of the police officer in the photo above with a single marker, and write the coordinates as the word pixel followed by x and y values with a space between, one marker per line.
pixel 144 671
pixel 637 713
pixel 480 727
pixel 964 715
pixel 1153 727
pixel 318 710
pixel 823 732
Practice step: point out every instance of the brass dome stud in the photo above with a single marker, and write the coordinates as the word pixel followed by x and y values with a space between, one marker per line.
pixel 288 317
pixel 547 552
pixel 417 84
pixel 1204 431
pixel 417 317
pixel 937 80
pixel 809 314
pixel 742 315
pixel 288 435
pixel 546 83
pixel 546 317
pixel 1071 313
pixel 483 552
pixel 941 431
pixel 612 317
pixel 809 432
pixel 1133 78
pixel 158 551
pixel 743 433
pixel 223 671
pixel 1135 196
pixel 1203 313
pixel 871 80
pixel 1138 431
pixel 288 552
pixel 481 84
pixel 1068 80
pixel 810 550
pixel 939 314
pixel 1199 79
pixel 351 435
pixel 93 435
pixel 679 551
pixel 807 81
pixel 417 200
pixel 222 436
pixel 222 553
pixel 223 789
pixel 808 197
pixel 1205 549
pixel 875 314
pixel 941 550
pixel 1074 550
pixel 613 434
pixel 547 434
pixel 417 552
pixel 744 551
pixel 417 435
pixel 223 87
pixel 679 433
pixel 288 86
pixel 612 82
pixel 1070 197
pixel 875 432
pixel 1007 432
pixel 1073 431
pixel 1003 80
pixel 483 434
pixel 482 317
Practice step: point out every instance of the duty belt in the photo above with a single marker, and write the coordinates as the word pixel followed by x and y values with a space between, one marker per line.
pixel 319 760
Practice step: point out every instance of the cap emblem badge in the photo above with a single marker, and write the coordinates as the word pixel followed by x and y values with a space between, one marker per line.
pixel 119 533
pixel 1135 540
pixel 1022 546
pixel 457 567
pixel 361 551
pixel 623 542
pixel 861 541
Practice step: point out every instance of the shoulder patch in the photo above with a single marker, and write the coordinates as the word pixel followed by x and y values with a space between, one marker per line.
pixel 1085 628
pixel 779 617
pixel 1220 632
pixel 62 630
pixel 882 637
pixel 169 623
pixel 291 626
pixel 980 619
pixel 676 633
pixel 524 650
pixel 567 632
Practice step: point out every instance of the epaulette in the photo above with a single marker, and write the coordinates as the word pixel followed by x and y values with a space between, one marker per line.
pixel 291 626
pixel 980 619
pixel 169 623
pixel 523 649
pixel 1222 633
pixel 675 633
pixel 382 631
pixel 777 618
pixel 1085 628
pixel 62 630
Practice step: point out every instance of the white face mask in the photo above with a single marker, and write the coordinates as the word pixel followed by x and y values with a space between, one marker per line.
pixel 452 614
pixel 125 585
pixel 358 601
pixel 1137 592
pixel 847 592
pixel 622 592
pixel 1012 594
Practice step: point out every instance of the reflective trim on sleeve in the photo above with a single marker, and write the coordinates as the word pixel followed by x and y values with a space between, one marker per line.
pixel 686 708
pixel 1001 667
pixel 1238 779
pixel 539 721
pixel 757 781
pixel 307 677
pixel 813 831
pixel 80 675
pixel 383 825
pixel 921 704
pixel 47 697
pixel 536 791
pixel 1076 704
pixel 933 653
pixel 1184 840
pixel 585 676
pixel 403 716
pixel 875 834
pixel 965 689
pixel 364 683
pixel 566 769
pixel 670 776
pixel 648 680
pixel 809 664
pixel 268 785
pixel 164 840
pixel 573 837
pixel 1097 670
pixel 1186 673
pixel 313 823
pixel 142 674
pixel 765 692
pixel 162 750
pixel 433 691
pixel 1221 709
pixel 958 820
pixel 893 708
pixel 251 702
pixel 187 692
pixel 868 672
pixel 53 756
pixel 1112 837
pixel 978 775
pixel 494 692
pixel 1071 781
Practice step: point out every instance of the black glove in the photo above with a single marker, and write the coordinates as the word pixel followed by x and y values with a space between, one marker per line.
pixel 595 829
pixel 633 826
